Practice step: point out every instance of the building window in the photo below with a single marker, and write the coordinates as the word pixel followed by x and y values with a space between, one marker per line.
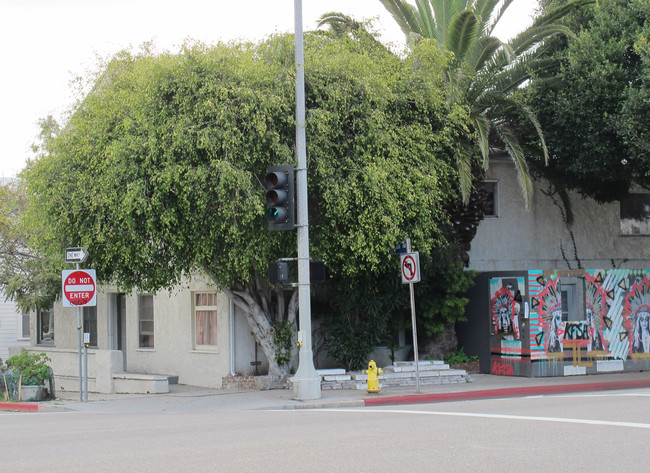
pixel 490 189
pixel 45 326
pixel 205 320
pixel 90 324
pixel 25 331
pixel 145 321
pixel 635 215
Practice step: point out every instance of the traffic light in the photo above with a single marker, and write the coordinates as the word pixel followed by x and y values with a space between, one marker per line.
pixel 316 272
pixel 279 182
pixel 278 272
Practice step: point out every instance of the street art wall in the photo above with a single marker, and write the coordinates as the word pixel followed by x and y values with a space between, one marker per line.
pixel 558 323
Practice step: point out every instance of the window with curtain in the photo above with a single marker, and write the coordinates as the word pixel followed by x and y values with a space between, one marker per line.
pixel 45 326
pixel 205 320
pixel 145 321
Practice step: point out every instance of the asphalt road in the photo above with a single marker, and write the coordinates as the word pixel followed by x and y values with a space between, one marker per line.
pixel 583 432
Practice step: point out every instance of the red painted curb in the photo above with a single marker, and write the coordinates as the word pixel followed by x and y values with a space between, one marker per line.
pixel 19 406
pixel 508 392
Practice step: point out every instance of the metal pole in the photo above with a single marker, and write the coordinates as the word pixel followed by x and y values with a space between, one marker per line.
pixel 306 382
pixel 415 328
pixel 85 372
pixel 81 390
pixel 415 340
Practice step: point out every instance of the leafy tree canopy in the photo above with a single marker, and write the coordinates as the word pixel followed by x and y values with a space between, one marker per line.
pixel 485 73
pixel 26 277
pixel 158 170
pixel 596 119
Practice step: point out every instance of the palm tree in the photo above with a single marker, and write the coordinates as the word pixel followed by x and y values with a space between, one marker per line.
pixel 484 72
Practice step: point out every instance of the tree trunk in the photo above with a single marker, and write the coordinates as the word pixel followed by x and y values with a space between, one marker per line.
pixel 254 300
pixel 439 346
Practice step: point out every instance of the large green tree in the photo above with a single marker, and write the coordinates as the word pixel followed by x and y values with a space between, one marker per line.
pixel 26 276
pixel 596 117
pixel 158 170
pixel 484 73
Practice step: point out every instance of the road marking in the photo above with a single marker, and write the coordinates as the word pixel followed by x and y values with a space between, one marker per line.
pixel 600 395
pixel 562 420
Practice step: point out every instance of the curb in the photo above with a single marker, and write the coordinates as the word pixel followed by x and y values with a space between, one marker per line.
pixel 19 406
pixel 325 405
pixel 508 392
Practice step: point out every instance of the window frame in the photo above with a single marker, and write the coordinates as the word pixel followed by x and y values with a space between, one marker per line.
pixel 196 308
pixel 491 187
pixel 628 223
pixel 22 333
pixel 148 333
pixel 39 327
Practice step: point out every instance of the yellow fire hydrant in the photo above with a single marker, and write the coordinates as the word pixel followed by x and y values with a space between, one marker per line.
pixel 373 377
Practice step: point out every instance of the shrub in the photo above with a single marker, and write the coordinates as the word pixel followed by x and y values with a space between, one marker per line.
pixel 459 357
pixel 32 366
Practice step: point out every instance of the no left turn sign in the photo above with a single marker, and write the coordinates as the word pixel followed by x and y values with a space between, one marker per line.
pixel 79 287
pixel 410 263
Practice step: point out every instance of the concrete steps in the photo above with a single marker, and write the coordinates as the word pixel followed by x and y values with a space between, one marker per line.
pixel 140 383
pixel 401 373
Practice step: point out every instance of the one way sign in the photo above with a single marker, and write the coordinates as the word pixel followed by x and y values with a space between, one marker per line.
pixel 75 255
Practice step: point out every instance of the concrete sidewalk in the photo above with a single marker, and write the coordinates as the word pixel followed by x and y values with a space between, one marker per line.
pixel 182 398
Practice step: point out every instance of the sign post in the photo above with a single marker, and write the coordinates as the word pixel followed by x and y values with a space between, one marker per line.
pixel 79 290
pixel 410 264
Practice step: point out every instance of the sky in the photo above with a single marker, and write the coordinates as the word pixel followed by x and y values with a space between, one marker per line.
pixel 47 43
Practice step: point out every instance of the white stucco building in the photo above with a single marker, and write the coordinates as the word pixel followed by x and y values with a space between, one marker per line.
pixel 561 271
pixel 141 342
pixel 14 327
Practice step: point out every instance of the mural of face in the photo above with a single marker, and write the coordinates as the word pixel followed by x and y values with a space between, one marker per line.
pixel 501 310
pixel 642 332
pixel 590 316
pixel 556 319
pixel 554 344
pixel 637 313
pixel 504 319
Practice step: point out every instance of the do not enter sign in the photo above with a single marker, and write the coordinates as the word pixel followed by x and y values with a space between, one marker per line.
pixel 79 288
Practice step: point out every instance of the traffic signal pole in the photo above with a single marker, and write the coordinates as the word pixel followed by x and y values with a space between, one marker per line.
pixel 306 382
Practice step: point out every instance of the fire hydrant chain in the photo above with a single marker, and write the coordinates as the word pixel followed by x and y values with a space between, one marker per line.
pixel 373 377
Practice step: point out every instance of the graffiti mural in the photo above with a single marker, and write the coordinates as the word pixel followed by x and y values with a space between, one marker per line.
pixel 548 305
pixel 616 314
pixel 503 308
pixel 626 293
pixel 595 311
pixel 636 311
pixel 505 305
pixel 574 322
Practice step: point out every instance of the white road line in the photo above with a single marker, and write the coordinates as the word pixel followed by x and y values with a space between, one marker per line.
pixel 563 420
pixel 603 395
